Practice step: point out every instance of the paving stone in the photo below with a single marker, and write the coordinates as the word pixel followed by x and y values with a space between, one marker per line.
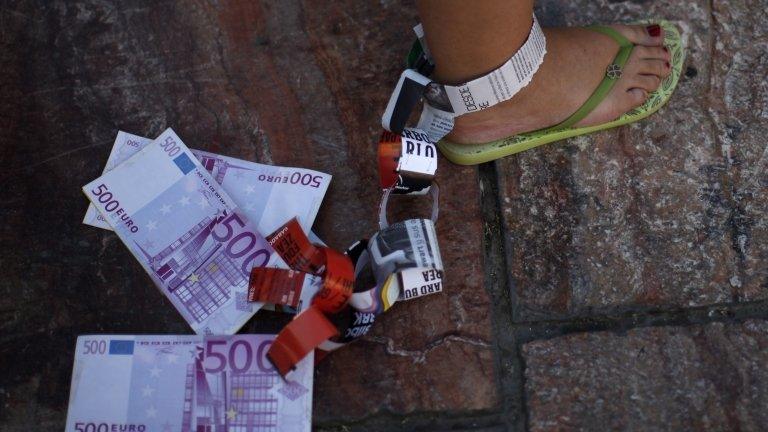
pixel 703 377
pixel 275 82
pixel 662 213
pixel 739 111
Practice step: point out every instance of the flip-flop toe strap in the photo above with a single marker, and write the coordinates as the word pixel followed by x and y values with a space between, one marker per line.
pixel 612 74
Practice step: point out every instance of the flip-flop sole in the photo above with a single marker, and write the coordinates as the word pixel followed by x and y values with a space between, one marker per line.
pixel 473 154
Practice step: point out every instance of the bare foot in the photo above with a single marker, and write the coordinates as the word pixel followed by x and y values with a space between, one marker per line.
pixel 573 67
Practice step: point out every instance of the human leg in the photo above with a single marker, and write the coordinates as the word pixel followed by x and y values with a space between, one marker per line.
pixel 468 39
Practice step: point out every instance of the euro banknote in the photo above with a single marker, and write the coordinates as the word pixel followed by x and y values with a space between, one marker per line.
pixel 268 195
pixel 189 235
pixel 185 384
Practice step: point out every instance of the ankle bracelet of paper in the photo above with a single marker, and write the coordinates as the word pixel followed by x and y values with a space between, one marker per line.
pixel 445 102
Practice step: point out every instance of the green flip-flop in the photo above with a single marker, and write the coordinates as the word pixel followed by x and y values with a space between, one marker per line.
pixel 465 154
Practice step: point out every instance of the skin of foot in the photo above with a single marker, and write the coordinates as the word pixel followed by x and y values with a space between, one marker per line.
pixel 572 69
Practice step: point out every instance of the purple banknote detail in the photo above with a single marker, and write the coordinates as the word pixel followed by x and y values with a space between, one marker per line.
pixel 188 234
pixel 268 195
pixel 185 384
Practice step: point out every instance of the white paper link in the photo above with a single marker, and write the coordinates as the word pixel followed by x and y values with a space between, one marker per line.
pixel 419 30
pixel 495 87
pixel 434 191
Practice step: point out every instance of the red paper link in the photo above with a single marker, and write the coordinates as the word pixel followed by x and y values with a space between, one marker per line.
pixel 293 246
pixel 390 150
pixel 308 330
pixel 338 282
pixel 280 286
pixel 275 286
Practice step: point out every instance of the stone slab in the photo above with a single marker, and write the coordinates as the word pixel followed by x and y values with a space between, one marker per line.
pixel 703 377
pixel 663 213
pixel 275 82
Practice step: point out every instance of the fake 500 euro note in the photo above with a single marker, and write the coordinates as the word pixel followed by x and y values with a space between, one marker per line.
pixel 268 195
pixel 185 384
pixel 191 238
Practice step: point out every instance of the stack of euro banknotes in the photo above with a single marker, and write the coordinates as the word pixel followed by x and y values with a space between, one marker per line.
pixel 195 221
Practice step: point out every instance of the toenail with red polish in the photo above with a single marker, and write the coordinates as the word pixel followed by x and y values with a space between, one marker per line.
pixel 653 30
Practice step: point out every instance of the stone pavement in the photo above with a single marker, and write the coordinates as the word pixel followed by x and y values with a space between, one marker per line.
pixel 612 282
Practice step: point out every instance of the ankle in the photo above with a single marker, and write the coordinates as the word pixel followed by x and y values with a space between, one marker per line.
pixel 469 39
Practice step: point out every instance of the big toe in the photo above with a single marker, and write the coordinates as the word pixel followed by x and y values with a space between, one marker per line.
pixel 648 35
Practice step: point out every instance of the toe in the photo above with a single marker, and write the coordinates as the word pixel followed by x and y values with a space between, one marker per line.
pixel 648 83
pixel 635 98
pixel 648 35
pixel 659 68
pixel 657 53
